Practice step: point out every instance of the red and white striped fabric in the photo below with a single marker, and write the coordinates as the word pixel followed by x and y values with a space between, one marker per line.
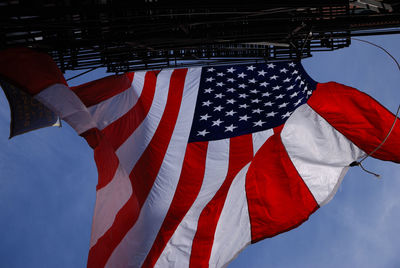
pixel 164 202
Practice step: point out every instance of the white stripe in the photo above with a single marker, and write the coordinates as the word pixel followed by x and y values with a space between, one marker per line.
pixel 259 138
pixel 177 251
pixel 233 233
pixel 109 200
pixel 135 246
pixel 131 150
pixel 106 112
pixel 63 101
pixel 319 152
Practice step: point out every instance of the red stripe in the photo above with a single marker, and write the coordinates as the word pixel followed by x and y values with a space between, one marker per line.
pixel 188 188
pixel 121 129
pixel 277 197
pixel 106 160
pixel 142 176
pixel 359 117
pixel 240 153
pixel 94 92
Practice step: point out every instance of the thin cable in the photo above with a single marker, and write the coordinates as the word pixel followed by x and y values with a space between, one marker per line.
pixel 370 172
pixel 359 163
pixel 398 109
pixel 375 45
pixel 85 72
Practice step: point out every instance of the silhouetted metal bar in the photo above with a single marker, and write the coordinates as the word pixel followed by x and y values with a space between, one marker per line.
pixel 124 36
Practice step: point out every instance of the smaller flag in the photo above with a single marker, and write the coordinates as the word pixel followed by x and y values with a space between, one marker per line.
pixel 27 113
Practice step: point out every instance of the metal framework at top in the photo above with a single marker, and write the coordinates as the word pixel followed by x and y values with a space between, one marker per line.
pixel 153 34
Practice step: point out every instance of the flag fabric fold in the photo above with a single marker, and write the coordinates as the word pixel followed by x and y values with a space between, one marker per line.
pixel 195 164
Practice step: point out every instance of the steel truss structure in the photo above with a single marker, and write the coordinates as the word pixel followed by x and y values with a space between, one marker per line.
pixel 153 34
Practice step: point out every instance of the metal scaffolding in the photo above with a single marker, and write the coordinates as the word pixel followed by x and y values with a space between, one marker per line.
pixel 149 34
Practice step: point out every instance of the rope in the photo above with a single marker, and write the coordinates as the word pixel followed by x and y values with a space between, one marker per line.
pixel 375 45
pixel 359 163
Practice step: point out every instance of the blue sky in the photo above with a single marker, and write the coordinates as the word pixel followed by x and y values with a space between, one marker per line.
pixel 48 179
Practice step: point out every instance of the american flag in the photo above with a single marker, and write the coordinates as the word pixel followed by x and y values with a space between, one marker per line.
pixel 180 137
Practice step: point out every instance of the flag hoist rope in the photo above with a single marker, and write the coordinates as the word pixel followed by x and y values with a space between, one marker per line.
pixel 359 163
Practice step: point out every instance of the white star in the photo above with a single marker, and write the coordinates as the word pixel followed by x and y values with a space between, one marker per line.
pixel 262 72
pixel 305 89
pixel 210 69
pixel 219 95
pixel 271 65
pixel 292 64
pixel 264 84
pixel 210 79
pixel 252 81
pixel 230 101
pixel 208 90
pixel 271 114
pixel 218 108
pixel 231 113
pixel 230 128
pixel 257 111
pixel 204 117
pixel 243 106
pixel 242 75
pixel 207 103
pixel 266 94
pixel 294 94
pixel 251 67
pixel 231 80
pixel 298 78
pixel 287 80
pixel 258 123
pixel 301 83
pixel 298 102
pixel 276 87
pixel 255 101
pixel 283 105
pixel 202 133
pixel 242 86
pixel 231 70
pixel 231 89
pixel 268 103
pixel 274 77
pixel 295 72
pixel 287 114
pixel 254 91
pixel 284 70
pixel 220 74
pixel 217 122
pixel 309 92
pixel 220 84
pixel 244 117
pixel 280 96
pixel 291 87
pixel 243 95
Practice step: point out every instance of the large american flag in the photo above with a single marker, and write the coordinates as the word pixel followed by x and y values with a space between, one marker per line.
pixel 194 164
pixel 180 137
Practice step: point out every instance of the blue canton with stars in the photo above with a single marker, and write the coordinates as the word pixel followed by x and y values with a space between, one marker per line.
pixel 242 99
